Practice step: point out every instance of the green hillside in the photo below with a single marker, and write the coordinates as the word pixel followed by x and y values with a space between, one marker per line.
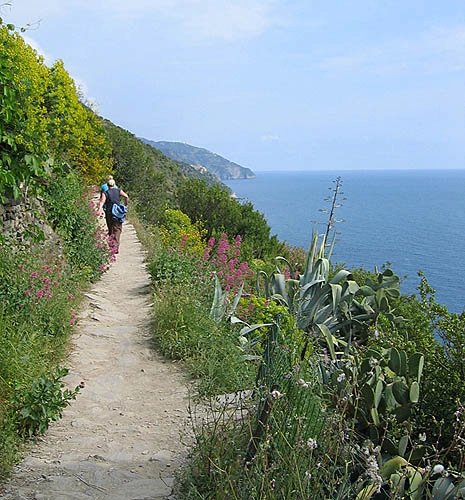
pixel 200 159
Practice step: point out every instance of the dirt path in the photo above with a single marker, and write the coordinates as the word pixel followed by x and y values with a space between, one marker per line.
pixel 123 437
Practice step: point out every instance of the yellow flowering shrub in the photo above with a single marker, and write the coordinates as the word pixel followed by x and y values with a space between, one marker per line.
pixel 179 232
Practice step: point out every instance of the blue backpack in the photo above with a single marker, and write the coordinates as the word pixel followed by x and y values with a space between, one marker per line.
pixel 118 212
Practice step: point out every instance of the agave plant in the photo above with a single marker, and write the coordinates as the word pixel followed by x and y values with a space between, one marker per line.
pixel 223 309
pixel 334 308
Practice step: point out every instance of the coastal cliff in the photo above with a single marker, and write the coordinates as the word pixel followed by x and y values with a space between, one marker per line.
pixel 200 158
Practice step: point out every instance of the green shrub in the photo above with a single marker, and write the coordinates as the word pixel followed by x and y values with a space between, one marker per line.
pixel 72 213
pixel 171 267
pixel 39 297
pixel 36 405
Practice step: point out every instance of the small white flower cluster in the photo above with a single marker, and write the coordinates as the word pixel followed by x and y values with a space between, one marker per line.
pixel 302 383
pixel 341 377
pixel 373 362
pixel 312 444
pixel 373 471
pixel 372 466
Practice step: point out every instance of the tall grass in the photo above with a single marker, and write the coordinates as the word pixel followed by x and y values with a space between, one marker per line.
pixel 183 330
pixel 277 440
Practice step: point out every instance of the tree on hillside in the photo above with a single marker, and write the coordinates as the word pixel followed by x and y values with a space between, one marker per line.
pixel 23 115
pixel 220 213
pixel 76 133
pixel 42 122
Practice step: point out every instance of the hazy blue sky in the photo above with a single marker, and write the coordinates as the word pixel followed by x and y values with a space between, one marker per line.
pixel 270 84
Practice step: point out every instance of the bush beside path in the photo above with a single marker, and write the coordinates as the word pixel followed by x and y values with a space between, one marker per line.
pixel 127 431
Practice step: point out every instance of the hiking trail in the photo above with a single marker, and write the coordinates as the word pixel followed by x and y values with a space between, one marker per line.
pixel 126 433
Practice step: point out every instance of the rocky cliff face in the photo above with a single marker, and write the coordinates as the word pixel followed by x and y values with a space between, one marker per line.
pixel 202 158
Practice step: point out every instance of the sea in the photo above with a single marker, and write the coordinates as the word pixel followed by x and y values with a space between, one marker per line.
pixel 410 220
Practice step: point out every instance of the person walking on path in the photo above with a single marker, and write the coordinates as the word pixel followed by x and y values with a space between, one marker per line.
pixel 104 187
pixel 114 211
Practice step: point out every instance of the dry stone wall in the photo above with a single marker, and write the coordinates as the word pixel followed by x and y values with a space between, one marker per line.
pixel 19 219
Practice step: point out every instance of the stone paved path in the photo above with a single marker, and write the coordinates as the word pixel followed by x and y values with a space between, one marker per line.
pixel 126 433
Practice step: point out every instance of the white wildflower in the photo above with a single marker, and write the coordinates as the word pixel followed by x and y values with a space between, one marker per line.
pixel 373 470
pixel 341 377
pixel 302 383
pixel 422 437
pixel 438 469
pixel 373 362
pixel 312 444
pixel 275 394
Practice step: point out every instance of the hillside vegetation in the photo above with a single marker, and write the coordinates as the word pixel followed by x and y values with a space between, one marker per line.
pixel 202 160
pixel 340 386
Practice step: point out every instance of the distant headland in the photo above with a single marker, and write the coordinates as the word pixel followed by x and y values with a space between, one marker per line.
pixel 202 159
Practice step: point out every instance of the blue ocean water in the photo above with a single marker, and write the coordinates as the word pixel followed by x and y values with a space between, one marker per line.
pixel 415 220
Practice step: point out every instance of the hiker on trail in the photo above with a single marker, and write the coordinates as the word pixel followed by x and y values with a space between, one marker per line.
pixel 114 210
pixel 104 187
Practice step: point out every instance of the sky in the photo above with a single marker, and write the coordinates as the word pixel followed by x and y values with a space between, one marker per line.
pixel 269 84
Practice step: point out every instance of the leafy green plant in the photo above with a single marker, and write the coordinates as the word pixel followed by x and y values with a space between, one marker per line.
pixel 171 267
pixel 40 403
pixel 73 215
pixel 333 308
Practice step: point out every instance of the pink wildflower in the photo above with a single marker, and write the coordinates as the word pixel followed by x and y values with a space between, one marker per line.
pixel 183 241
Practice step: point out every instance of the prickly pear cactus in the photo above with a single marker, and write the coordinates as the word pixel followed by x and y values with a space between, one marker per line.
pixel 382 386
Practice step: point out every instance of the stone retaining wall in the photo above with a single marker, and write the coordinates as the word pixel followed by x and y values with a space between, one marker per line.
pixel 21 219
